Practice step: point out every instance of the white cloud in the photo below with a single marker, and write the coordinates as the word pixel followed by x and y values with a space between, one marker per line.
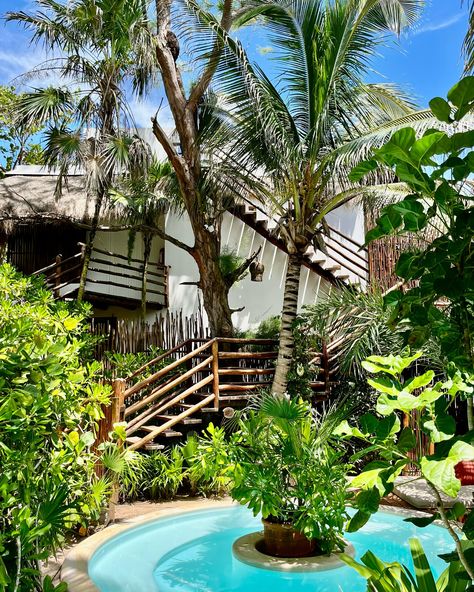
pixel 430 27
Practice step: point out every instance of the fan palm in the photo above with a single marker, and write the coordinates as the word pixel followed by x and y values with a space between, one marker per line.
pixel 102 47
pixel 142 201
pixel 295 141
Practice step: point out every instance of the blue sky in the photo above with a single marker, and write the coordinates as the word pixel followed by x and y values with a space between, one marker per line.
pixel 427 61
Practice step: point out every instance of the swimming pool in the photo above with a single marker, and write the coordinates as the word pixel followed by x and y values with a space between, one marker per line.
pixel 192 552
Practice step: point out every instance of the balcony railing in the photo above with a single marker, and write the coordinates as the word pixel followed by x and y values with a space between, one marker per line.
pixel 110 276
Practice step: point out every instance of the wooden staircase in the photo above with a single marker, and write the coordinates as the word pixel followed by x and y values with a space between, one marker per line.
pixel 345 261
pixel 202 378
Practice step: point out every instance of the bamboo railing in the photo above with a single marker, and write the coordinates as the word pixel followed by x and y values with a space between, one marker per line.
pixel 205 375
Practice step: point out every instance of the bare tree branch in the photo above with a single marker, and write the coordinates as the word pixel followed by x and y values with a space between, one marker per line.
pixel 168 147
pixel 239 271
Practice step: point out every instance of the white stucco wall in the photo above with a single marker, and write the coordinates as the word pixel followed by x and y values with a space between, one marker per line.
pixel 117 243
pixel 260 299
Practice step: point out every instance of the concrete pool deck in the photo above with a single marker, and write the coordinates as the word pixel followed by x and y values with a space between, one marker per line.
pixel 74 568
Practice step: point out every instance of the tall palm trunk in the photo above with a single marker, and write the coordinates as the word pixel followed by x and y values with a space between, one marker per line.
pixel 90 244
pixel 288 316
pixel 147 239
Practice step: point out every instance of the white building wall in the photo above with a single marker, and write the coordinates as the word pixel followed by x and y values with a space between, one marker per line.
pixel 259 299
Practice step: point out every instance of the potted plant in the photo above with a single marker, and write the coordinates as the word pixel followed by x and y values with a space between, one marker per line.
pixel 287 470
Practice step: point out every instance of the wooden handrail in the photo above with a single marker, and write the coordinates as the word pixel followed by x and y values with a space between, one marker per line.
pixel 55 264
pixel 146 381
pixel 162 390
pixel 170 403
pixel 159 358
pixel 123 257
pixel 169 392
pixel 124 266
pixel 169 424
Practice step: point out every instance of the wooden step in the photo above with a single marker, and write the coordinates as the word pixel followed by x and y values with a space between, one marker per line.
pixel 204 409
pixel 333 268
pixel 169 433
pixel 245 371
pixel 235 398
pixel 148 445
pixel 185 421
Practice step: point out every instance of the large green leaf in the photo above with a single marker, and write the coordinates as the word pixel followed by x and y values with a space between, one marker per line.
pixel 424 148
pixel 441 474
pixel 423 573
pixel 441 109
pixel 358 521
pixel 462 93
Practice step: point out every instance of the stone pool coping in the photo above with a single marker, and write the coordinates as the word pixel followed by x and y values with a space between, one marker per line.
pixel 75 567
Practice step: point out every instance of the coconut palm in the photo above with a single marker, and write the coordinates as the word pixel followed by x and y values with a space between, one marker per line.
pixel 99 44
pixel 296 140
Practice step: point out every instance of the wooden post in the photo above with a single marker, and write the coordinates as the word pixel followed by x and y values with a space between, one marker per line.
pixel 117 400
pixel 117 408
pixel 57 276
pixel 113 412
pixel 215 373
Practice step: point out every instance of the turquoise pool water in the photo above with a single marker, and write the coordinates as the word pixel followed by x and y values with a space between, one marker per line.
pixel 192 552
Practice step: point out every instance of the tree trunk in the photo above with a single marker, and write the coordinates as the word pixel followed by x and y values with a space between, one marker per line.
pixel 215 292
pixel 147 240
pixel 89 245
pixel 288 316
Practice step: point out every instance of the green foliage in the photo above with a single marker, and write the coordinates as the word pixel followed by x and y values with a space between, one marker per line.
pixel 16 146
pixel 286 469
pixel 383 433
pixel 209 463
pixel 436 170
pixel 49 406
pixel 393 577
pixel 119 365
pixel 230 264
pixel 302 371
pixel 267 329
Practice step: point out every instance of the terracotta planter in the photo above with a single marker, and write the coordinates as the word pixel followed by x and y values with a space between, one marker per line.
pixel 465 472
pixel 282 540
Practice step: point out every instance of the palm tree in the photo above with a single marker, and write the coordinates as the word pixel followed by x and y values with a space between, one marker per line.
pixel 142 201
pixel 303 134
pixel 98 43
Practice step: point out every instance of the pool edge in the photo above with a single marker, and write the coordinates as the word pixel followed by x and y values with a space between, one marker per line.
pixel 74 570
pixel 75 567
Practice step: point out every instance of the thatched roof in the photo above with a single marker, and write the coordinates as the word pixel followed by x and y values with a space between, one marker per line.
pixel 32 195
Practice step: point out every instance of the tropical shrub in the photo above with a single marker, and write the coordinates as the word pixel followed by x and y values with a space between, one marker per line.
pixel 121 365
pixel 49 406
pixel 436 170
pixel 288 470
pixel 383 434
pixel 208 460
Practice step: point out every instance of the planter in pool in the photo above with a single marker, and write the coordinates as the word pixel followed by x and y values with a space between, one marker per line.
pixel 283 540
